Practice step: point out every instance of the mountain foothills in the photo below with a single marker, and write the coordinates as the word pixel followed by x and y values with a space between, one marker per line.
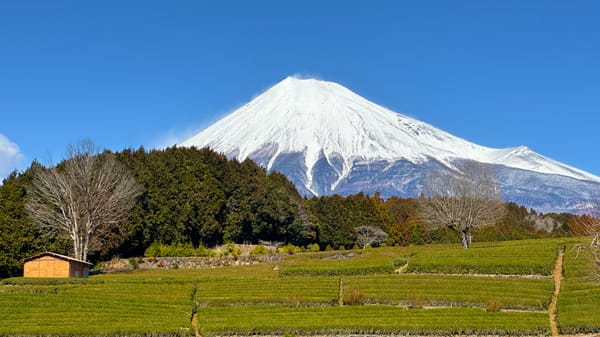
pixel 328 140
pixel 197 197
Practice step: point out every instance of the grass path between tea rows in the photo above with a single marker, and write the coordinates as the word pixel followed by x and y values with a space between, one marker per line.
pixel 557 280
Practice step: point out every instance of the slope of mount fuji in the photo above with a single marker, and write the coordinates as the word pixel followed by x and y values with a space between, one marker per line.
pixel 327 139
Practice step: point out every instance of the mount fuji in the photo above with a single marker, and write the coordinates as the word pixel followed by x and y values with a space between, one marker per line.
pixel 327 139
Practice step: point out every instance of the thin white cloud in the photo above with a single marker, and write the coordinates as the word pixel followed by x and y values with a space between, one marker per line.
pixel 307 76
pixel 11 157
pixel 167 140
pixel 175 137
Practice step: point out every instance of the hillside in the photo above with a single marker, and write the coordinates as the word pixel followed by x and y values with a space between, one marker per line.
pixel 200 198
pixel 494 288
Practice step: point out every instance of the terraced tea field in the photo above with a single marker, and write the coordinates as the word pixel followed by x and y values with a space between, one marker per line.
pixel 492 288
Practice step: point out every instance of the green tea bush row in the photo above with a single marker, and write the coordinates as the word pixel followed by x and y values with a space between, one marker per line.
pixel 96 309
pixel 366 331
pixel 340 271
pixel 446 290
pixel 474 268
pixel 579 297
pixel 31 281
pixel 526 257
pixel 370 320
pixel 149 334
pixel 287 291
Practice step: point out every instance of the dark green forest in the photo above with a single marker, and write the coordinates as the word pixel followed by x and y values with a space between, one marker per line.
pixel 199 197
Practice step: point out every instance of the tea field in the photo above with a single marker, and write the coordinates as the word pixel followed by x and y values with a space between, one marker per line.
pixel 500 288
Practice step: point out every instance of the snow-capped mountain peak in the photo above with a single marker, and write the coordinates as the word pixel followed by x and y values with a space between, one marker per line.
pixel 324 132
pixel 324 118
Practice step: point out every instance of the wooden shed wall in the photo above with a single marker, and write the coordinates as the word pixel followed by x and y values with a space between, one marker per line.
pixel 47 266
pixel 79 270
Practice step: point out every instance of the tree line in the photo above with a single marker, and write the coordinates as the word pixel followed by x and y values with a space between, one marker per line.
pixel 199 197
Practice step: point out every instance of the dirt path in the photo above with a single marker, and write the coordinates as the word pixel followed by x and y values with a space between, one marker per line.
pixel 557 279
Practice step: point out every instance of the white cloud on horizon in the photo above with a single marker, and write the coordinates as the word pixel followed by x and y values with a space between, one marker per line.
pixel 11 157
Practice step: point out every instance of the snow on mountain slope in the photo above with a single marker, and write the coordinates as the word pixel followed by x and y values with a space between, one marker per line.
pixel 323 119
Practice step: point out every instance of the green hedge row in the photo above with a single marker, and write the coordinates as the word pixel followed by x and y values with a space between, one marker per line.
pixel 501 269
pixel 29 281
pixel 343 271
pixel 369 320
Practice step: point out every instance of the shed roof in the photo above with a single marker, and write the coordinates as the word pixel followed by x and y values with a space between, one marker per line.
pixel 59 256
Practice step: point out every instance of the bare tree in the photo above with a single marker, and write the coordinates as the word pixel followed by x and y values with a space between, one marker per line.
pixel 88 193
pixel 463 199
pixel 370 235
pixel 588 226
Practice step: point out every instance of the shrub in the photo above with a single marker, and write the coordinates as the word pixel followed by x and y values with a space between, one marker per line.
pixel 493 305
pixel 294 301
pixel 400 263
pixel 231 250
pixel 177 250
pixel 134 263
pixel 290 249
pixel 313 247
pixel 259 250
pixel 416 302
pixel 203 251
pixel 153 250
pixel 354 296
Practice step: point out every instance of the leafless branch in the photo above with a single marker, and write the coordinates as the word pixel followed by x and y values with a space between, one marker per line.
pixel 588 226
pixel 463 200
pixel 369 235
pixel 83 196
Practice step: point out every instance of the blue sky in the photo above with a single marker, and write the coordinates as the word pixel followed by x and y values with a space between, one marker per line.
pixel 131 73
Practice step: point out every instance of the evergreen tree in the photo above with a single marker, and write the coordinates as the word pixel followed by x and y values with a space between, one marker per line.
pixel 18 237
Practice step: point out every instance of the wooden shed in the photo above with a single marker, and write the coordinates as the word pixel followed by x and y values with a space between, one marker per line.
pixel 49 264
